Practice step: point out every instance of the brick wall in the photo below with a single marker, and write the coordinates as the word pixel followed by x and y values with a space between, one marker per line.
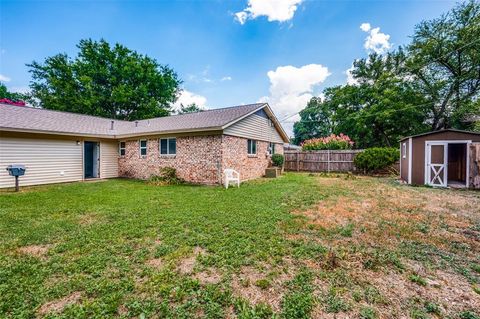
pixel 197 159
pixel 235 155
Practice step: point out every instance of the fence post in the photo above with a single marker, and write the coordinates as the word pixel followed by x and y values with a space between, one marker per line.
pixel 328 161
pixel 298 160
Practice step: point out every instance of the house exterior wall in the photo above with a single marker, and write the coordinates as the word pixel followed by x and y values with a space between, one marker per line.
pixel 418 150
pixel 256 126
pixel 47 160
pixel 235 155
pixel 108 159
pixel 197 159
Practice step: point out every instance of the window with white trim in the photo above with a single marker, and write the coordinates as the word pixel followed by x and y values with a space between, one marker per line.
pixel 121 149
pixel 252 147
pixel 168 146
pixel 143 148
pixel 404 150
pixel 271 148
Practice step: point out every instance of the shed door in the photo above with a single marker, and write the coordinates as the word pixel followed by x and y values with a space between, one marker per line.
pixel 436 165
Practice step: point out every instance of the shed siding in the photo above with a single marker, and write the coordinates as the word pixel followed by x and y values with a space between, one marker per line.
pixel 45 160
pixel 108 159
pixel 254 127
pixel 418 150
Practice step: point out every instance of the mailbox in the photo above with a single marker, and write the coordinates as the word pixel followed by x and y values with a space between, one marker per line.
pixel 16 170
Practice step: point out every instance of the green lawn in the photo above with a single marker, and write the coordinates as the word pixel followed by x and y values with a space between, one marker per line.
pixel 296 247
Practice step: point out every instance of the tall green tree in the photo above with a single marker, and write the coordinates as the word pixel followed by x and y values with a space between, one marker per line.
pixel 444 59
pixel 14 96
pixel 191 108
pixel 104 80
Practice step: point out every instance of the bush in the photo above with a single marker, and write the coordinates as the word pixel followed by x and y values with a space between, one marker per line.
pixel 376 158
pixel 332 142
pixel 277 160
pixel 168 176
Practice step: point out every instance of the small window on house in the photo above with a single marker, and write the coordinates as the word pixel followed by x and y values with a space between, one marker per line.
pixel 271 148
pixel 168 146
pixel 121 148
pixel 252 147
pixel 404 150
pixel 143 147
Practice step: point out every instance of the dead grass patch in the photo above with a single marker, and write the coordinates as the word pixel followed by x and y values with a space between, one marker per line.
pixel 58 305
pixel 155 262
pixel 186 265
pixel 265 286
pixel 38 251
pixel 209 276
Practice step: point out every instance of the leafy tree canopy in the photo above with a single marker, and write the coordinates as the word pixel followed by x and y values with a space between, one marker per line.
pixel 191 108
pixel 431 84
pixel 104 80
pixel 14 96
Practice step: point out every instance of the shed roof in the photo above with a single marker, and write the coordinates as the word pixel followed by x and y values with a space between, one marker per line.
pixel 441 131
pixel 14 118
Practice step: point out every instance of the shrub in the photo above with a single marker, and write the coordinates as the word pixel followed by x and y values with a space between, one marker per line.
pixel 277 160
pixel 168 176
pixel 332 142
pixel 376 158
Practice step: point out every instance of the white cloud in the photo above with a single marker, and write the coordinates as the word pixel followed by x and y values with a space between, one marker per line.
pixel 365 27
pixel 19 89
pixel 226 78
pixel 274 10
pixel 186 98
pixel 350 79
pixel 291 88
pixel 4 78
pixel 376 41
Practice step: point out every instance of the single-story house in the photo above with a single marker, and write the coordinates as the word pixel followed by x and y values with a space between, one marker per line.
pixel 65 147
pixel 441 158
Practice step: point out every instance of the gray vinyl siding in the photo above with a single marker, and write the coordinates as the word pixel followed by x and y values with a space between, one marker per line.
pixel 255 127
pixel 108 159
pixel 46 160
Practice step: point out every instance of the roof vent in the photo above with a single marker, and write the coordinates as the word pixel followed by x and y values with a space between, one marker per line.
pixel 111 126
pixel 136 123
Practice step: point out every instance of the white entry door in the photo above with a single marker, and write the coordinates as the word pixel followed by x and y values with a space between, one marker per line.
pixel 436 165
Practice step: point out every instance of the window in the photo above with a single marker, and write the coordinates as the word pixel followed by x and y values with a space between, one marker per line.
pixel 252 147
pixel 143 147
pixel 168 146
pixel 121 148
pixel 404 150
pixel 271 148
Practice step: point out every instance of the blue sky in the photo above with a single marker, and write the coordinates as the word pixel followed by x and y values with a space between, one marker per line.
pixel 226 52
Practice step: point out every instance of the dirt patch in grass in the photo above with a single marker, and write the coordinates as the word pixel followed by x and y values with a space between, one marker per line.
pixel 257 286
pixel 38 251
pixel 155 262
pixel 186 265
pixel 58 305
pixel 208 276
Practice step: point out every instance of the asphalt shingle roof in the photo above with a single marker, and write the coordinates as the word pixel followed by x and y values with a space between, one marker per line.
pixel 35 119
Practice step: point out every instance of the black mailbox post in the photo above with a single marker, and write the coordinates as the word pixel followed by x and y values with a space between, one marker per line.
pixel 16 170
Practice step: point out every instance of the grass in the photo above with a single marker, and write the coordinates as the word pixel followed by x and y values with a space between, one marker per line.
pixel 298 246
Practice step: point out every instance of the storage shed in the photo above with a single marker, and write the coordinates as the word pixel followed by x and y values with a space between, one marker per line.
pixel 446 158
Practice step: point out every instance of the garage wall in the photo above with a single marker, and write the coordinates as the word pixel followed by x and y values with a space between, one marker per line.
pixel 108 159
pixel 46 160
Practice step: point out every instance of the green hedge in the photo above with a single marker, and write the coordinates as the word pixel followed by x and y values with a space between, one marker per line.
pixel 376 158
pixel 277 160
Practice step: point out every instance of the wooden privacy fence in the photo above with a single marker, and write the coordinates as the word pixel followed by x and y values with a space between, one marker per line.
pixel 320 161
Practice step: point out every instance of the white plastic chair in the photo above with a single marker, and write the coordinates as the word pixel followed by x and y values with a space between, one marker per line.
pixel 231 175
